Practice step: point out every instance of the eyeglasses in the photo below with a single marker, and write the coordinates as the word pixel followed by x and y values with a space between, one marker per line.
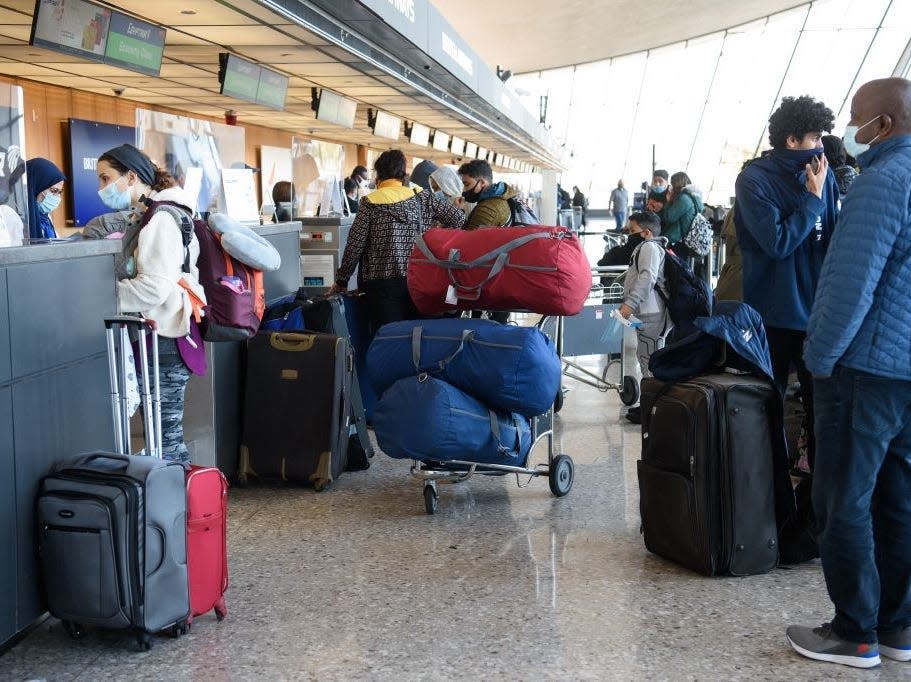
pixel 54 190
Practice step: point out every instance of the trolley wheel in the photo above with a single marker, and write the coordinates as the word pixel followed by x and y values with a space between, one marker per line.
pixel 73 629
pixel 558 400
pixel 144 640
pixel 561 475
pixel 630 393
pixel 320 485
pixel 431 499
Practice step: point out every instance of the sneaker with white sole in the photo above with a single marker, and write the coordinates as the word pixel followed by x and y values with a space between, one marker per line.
pixel 822 644
pixel 896 645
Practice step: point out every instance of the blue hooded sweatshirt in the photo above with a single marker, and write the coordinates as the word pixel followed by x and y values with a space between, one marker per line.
pixel 784 232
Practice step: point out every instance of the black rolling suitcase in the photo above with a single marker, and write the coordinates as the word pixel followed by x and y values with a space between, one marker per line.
pixel 112 526
pixel 296 407
pixel 340 315
pixel 706 482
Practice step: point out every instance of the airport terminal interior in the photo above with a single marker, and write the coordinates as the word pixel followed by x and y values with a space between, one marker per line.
pixel 378 575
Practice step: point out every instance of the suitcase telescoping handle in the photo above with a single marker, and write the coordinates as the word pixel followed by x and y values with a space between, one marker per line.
pixel 117 334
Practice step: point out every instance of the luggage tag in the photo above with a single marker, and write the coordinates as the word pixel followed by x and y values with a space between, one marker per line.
pixel 451 297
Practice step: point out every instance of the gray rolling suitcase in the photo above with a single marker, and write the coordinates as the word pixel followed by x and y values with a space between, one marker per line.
pixel 297 409
pixel 112 526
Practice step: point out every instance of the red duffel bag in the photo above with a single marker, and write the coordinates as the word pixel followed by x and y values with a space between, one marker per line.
pixel 537 268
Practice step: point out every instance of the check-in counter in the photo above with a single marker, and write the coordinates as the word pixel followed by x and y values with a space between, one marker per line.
pixel 55 390
pixel 322 245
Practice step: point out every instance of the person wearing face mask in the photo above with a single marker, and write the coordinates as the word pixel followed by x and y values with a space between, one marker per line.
pixel 447 186
pixel 492 199
pixel 45 190
pixel 660 181
pixel 350 187
pixel 786 212
pixel 858 348
pixel 361 176
pixel 149 270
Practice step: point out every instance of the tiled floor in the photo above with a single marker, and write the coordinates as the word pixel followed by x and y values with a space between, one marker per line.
pixel 502 583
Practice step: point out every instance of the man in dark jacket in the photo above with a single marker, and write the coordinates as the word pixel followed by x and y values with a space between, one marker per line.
pixel 859 350
pixel 786 212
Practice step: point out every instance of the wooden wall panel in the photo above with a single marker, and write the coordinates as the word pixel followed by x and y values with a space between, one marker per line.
pixel 47 108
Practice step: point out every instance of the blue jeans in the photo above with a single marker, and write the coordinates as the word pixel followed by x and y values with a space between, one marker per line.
pixel 620 217
pixel 862 500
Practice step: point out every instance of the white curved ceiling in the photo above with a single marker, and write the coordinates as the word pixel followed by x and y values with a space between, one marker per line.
pixel 531 35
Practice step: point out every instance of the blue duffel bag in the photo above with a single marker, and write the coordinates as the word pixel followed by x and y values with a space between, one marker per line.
pixel 509 368
pixel 420 417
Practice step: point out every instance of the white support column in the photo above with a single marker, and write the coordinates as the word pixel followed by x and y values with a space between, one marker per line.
pixel 548 214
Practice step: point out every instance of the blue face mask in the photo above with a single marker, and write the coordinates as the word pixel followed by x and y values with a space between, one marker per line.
pixel 658 189
pixel 113 198
pixel 439 195
pixel 49 203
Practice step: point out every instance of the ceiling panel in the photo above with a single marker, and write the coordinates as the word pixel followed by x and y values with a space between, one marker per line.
pixel 170 12
pixel 286 54
pixel 231 35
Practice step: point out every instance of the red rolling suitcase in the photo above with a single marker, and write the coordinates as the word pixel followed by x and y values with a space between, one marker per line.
pixel 207 541
pixel 537 268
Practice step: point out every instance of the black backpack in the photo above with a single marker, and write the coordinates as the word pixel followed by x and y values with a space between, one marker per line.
pixel 687 296
pixel 520 214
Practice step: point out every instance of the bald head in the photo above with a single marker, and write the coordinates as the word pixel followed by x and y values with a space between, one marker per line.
pixel 886 104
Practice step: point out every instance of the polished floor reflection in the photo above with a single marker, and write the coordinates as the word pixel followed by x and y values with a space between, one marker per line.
pixel 503 583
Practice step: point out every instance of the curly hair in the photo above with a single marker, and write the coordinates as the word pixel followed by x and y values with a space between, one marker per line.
pixel 390 165
pixel 798 116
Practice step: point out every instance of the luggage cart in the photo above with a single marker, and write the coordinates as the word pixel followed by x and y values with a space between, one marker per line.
pixel 559 469
pixel 584 334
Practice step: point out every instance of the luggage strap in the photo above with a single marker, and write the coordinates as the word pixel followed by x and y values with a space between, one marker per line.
pixel 499 256
pixel 417 332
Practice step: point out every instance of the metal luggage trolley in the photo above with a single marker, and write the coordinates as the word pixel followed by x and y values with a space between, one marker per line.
pixel 558 469
pixel 587 334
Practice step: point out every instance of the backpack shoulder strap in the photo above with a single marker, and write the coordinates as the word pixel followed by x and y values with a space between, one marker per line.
pixel 181 216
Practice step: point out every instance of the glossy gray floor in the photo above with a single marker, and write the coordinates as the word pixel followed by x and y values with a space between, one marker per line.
pixel 503 583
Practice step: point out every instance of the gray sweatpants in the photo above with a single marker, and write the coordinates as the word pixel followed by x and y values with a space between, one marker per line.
pixel 651 337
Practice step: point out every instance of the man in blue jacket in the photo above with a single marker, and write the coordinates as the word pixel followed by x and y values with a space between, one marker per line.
pixel 859 351
pixel 786 212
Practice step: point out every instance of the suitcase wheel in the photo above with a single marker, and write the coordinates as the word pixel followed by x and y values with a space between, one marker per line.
pixel 561 475
pixel 320 485
pixel 144 640
pixel 179 629
pixel 431 499
pixel 74 630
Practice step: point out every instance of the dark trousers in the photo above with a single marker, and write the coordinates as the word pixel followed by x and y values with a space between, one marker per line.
pixel 387 300
pixel 786 349
pixel 861 498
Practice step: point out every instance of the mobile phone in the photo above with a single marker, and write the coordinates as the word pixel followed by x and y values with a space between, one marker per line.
pixel 814 164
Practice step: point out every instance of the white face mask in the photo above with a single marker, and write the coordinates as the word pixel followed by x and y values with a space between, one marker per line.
pixel 852 146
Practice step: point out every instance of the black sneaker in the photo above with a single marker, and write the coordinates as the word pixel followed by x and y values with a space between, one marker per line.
pixel 822 644
pixel 634 414
pixel 896 645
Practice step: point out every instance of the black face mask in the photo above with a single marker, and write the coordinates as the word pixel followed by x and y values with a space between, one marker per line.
pixel 472 196
pixel 635 239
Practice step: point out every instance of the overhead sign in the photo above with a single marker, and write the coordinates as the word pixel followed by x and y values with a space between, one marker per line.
pixel 471 150
pixel 245 80
pixel 408 17
pixel 91 31
pixel 134 44
pixel 449 49
pixel 441 141
pixel 420 134
pixel 387 125
pixel 333 108
pixel 457 146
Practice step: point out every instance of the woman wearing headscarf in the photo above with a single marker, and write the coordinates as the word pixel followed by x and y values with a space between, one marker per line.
pixel 149 272
pixel 45 189
pixel 446 185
